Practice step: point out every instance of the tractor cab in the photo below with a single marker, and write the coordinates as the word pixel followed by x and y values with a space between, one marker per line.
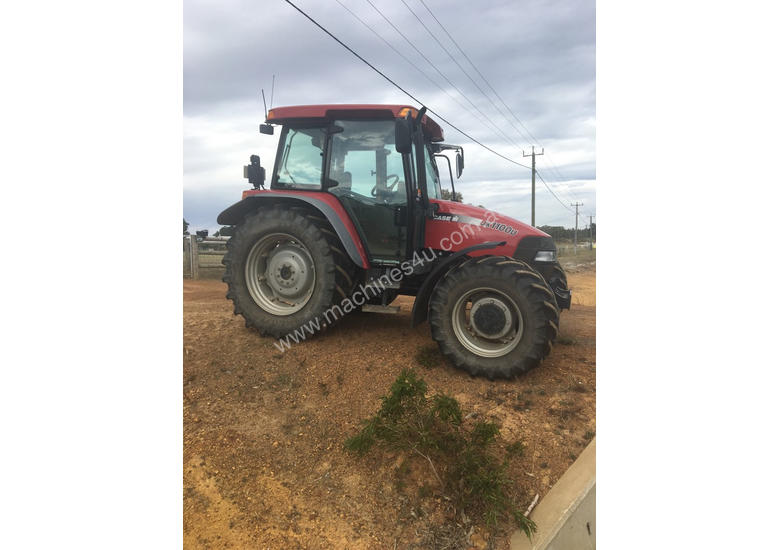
pixel 378 160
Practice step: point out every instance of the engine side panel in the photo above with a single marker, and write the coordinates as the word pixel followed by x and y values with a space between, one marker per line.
pixel 457 226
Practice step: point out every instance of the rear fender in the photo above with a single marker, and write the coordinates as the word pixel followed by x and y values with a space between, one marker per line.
pixel 326 204
pixel 420 309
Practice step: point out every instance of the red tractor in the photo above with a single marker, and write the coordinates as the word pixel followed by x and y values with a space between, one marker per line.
pixel 355 215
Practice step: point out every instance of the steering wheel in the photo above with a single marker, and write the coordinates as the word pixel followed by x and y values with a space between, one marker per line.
pixel 390 187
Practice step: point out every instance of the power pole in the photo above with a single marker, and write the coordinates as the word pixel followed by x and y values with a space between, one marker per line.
pixel 533 182
pixel 590 232
pixel 576 206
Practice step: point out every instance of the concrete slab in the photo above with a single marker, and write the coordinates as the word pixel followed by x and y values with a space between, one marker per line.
pixel 566 517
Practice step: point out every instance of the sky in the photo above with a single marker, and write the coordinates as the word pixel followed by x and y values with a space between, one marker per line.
pixel 539 56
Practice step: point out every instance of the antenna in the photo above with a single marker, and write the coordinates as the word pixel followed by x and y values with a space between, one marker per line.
pixel 273 81
pixel 264 106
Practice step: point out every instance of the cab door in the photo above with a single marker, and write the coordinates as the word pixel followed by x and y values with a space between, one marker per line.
pixel 367 175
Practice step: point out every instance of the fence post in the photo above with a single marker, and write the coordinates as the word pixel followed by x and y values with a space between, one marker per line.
pixel 194 259
pixel 186 253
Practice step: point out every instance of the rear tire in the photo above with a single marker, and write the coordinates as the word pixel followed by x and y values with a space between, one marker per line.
pixel 316 258
pixel 518 323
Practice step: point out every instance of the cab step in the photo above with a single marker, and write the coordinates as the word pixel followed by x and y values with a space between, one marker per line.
pixel 371 308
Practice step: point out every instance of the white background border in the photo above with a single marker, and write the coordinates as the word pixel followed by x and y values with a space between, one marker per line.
pixel 687 367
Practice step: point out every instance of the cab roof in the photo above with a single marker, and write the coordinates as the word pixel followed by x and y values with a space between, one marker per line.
pixel 281 115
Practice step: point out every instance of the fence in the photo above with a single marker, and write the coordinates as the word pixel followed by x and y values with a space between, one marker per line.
pixel 203 257
pixel 567 248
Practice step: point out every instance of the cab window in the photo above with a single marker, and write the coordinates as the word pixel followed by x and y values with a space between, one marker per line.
pixel 300 166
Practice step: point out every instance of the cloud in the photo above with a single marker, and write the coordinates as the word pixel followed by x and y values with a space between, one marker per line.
pixel 539 56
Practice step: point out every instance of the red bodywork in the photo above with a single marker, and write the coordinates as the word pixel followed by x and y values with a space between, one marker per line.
pixel 472 225
pixel 328 199
pixel 281 115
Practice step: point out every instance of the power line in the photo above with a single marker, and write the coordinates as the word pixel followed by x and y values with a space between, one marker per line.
pixel 478 71
pixel 561 178
pixel 424 26
pixel 435 68
pixel 510 111
pixel 565 190
pixel 409 61
pixel 553 192
pixel 380 73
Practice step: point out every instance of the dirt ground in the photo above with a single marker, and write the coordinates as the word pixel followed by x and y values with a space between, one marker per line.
pixel 263 431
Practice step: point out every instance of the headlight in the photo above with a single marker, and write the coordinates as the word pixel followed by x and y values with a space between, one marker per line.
pixel 545 256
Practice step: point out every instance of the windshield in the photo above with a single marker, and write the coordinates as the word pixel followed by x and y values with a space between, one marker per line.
pixel 432 176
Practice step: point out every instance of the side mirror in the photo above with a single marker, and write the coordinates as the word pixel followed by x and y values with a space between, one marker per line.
pixel 254 172
pixel 459 164
pixel 403 135
pixel 267 129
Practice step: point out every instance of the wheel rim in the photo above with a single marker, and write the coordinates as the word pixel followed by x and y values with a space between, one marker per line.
pixel 280 274
pixel 501 327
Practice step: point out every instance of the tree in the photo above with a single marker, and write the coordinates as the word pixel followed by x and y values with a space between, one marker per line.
pixel 186 225
pixel 446 195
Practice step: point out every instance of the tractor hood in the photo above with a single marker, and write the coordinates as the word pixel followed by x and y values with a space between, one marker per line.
pixel 460 225
pixel 485 218
pixel 456 226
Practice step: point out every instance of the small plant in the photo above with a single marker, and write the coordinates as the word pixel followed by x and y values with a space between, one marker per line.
pixel 428 357
pixel 589 435
pixel 461 457
pixel 515 449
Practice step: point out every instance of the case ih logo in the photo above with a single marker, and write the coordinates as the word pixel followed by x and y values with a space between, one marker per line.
pixel 499 227
pixel 445 217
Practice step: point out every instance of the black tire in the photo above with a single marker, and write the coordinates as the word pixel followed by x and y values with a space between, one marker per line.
pixel 555 277
pixel 334 271
pixel 516 281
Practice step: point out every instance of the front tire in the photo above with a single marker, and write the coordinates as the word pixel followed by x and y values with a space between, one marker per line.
pixel 284 268
pixel 494 316
pixel 556 279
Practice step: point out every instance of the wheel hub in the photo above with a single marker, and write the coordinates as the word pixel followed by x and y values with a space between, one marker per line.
pixel 487 322
pixel 287 271
pixel 280 274
pixel 491 318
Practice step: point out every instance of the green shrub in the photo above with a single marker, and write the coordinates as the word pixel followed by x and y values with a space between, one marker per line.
pixel 462 457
